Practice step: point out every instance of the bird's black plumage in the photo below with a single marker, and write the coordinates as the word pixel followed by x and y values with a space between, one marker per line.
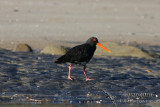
pixel 80 54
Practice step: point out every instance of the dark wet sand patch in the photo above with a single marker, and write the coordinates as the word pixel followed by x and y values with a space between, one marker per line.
pixel 34 76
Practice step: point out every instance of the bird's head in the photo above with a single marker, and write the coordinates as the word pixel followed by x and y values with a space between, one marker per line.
pixel 93 41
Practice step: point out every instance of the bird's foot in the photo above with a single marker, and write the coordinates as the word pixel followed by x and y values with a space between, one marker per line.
pixel 88 79
pixel 70 78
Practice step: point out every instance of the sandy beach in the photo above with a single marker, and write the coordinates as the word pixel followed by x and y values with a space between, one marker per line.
pixel 44 22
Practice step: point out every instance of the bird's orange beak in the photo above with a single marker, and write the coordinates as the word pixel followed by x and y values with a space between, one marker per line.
pixel 103 47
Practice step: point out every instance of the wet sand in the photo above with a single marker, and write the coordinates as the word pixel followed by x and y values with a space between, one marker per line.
pixel 33 77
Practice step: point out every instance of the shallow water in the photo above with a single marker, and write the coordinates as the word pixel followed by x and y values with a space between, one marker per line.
pixel 34 78
pixel 63 105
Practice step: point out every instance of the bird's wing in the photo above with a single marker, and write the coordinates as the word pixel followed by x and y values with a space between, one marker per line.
pixel 80 53
pixel 77 54
pixel 71 56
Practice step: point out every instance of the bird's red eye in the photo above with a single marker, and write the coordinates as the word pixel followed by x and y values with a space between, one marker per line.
pixel 94 40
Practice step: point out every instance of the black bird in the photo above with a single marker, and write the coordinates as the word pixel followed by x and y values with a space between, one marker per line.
pixel 81 55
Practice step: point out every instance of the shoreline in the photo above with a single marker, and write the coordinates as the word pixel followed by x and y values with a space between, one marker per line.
pixel 41 43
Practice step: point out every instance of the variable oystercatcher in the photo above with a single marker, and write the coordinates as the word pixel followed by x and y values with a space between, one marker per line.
pixel 81 55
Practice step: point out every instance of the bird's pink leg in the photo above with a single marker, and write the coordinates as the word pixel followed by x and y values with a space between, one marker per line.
pixel 87 79
pixel 69 74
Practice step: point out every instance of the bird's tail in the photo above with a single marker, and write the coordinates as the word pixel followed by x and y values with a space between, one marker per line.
pixel 60 60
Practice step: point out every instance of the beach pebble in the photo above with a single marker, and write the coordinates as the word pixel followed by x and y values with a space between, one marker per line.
pixel 22 48
pixel 121 50
pixel 54 50
pixel 2 49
